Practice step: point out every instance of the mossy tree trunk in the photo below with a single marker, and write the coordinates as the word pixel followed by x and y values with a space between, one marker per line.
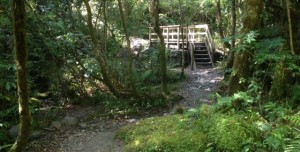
pixel 20 47
pixel 242 60
pixel 128 47
pixel 162 47
pixel 280 82
pixel 279 89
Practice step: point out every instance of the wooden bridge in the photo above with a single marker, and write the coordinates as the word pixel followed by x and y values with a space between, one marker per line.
pixel 196 40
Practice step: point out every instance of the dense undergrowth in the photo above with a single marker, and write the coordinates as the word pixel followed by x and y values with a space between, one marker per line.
pixel 219 127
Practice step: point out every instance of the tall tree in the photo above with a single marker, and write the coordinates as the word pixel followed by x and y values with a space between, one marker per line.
pixel 108 79
pixel 162 47
pixel 233 30
pixel 242 60
pixel 282 74
pixel 128 47
pixel 20 47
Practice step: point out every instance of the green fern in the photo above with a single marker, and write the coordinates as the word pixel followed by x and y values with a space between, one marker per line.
pixel 293 145
pixel 294 119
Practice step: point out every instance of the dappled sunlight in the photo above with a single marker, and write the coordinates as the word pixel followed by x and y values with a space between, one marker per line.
pixel 136 142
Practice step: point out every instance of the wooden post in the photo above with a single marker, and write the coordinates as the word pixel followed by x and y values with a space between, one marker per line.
pixel 186 36
pixel 150 36
pixel 168 38
pixel 178 35
pixel 192 48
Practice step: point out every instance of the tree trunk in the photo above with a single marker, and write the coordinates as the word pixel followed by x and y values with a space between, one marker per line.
pixel 290 26
pixel 18 7
pixel 242 60
pixel 280 82
pixel 104 8
pixel 107 76
pixel 162 47
pixel 128 47
pixel 233 30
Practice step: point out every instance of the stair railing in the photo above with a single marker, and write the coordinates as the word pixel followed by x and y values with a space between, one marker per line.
pixel 208 41
pixel 211 45
pixel 193 33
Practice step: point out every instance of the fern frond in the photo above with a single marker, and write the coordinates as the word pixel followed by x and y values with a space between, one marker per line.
pixel 294 119
pixel 293 145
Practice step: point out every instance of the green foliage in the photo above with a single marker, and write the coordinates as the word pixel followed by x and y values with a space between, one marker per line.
pixel 148 71
pixel 295 96
pixel 275 112
pixel 238 101
pixel 10 114
pixel 163 134
pixel 4 138
pixel 199 130
pixel 293 144
pixel 294 119
pixel 228 133
pixel 213 131
pixel 246 41
pixel 275 139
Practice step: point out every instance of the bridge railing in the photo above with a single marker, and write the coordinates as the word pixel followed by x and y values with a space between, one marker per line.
pixel 174 38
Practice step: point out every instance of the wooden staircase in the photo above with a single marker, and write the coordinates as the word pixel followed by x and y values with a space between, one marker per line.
pixel 201 54
pixel 196 39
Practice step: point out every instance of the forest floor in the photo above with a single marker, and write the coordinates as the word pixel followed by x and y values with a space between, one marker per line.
pixel 94 134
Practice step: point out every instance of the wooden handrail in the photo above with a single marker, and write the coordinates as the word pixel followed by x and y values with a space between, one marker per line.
pixel 192 33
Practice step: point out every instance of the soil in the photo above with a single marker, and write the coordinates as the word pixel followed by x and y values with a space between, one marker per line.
pixel 94 134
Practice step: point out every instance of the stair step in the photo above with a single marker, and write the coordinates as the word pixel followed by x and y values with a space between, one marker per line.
pixel 200 48
pixel 204 50
pixel 201 52
pixel 203 63
pixel 202 58
pixel 199 44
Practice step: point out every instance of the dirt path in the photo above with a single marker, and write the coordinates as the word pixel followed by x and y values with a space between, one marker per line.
pixel 97 135
pixel 201 83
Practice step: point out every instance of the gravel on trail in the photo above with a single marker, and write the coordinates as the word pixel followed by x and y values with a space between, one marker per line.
pixel 97 135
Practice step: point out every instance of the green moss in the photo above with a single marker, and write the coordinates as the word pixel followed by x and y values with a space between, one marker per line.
pixel 163 134
pixel 206 130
